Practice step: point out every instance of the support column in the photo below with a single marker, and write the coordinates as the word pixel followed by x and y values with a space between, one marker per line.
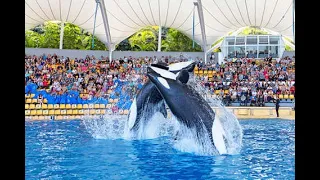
pixel 293 9
pixel 203 31
pixel 111 49
pixel 61 35
pixel 159 39
pixel 106 24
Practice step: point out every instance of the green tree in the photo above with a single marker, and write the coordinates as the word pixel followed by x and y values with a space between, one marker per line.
pixel 33 39
pixel 51 35
pixel 177 41
pixel 144 40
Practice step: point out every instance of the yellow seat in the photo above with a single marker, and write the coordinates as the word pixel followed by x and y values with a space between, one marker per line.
pixel 226 91
pixel 34 101
pixel 33 112
pixel 69 112
pixel 210 72
pixel 110 100
pixel 26 106
pixel 205 72
pixel 32 95
pixel 38 106
pixel 201 72
pixel 121 112
pixel 217 91
pixel 50 106
pixel 86 112
pixel 74 106
pixel 56 106
pixel 27 95
pixel 90 106
pixel 27 112
pixel 80 112
pixel 126 111
pixel 62 106
pixel 280 96
pixel 92 111
pixel 77 117
pixel 28 101
pixel 35 117
pixel 210 75
pixel 196 72
pixel 63 112
pixel 85 106
pixel 41 118
pixel 103 111
pixel 45 112
pixel 68 106
pixel 115 100
pixel 210 79
pixel 39 112
pixel 57 112
pixel 75 112
pixel 109 91
pixel 32 106
pixel 109 106
pixel 72 117
pixel 51 112
pixel 98 111
pixel 45 101
pixel 44 106
pixel 102 106
pixel 96 106
pixel 286 96
pixel 59 117
pixel 79 106
pixel 291 96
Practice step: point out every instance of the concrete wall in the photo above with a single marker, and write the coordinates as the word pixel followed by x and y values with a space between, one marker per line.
pixel 116 54
pixel 288 53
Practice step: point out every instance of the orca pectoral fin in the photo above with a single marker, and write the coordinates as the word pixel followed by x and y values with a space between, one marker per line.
pixel 163 109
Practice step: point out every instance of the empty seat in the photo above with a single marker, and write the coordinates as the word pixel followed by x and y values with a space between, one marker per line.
pixel 33 112
pixel 50 106
pixel 51 112
pixel 86 111
pixel 126 111
pixel 57 112
pixel 45 112
pixel 74 106
pixel 62 106
pixel 69 112
pixel 27 95
pixel 96 106
pixel 280 96
pixel 79 106
pixel 34 101
pixel 28 101
pixel 109 91
pixel 92 111
pixel 27 112
pixel 108 106
pixel 38 106
pixel 98 111
pixel 58 117
pixel 286 96
pixel 121 112
pixel 32 106
pixel 68 106
pixel 85 106
pixel 111 100
pixel 80 112
pixel 32 95
pixel 44 106
pixel 75 112
pixel 56 106
pixel 39 112
pixel 291 96
pixel 90 106
pixel 26 106
pixel 63 112
pixel 35 118
pixel 45 101
pixel 41 118
pixel 102 106
pixel 103 111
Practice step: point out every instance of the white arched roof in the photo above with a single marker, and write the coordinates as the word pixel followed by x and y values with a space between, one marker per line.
pixel 128 16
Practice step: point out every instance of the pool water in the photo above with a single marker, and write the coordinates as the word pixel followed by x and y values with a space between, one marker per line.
pixel 65 150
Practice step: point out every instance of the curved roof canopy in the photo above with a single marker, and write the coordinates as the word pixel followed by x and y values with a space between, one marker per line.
pixel 126 17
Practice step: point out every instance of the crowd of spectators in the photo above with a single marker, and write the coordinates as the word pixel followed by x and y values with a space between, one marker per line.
pixel 256 80
pixel 250 81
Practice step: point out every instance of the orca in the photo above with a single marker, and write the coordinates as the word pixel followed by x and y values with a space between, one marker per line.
pixel 189 107
pixel 149 101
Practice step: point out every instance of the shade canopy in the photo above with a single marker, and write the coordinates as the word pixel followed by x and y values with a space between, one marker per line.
pixel 125 17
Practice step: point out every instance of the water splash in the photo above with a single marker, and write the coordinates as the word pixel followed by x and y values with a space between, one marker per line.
pixel 116 127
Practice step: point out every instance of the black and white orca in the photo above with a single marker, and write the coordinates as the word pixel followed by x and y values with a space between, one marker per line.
pixel 149 101
pixel 189 107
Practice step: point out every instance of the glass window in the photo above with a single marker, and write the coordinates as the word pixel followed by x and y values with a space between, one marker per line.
pixel 239 40
pixel 231 53
pixel 263 39
pixel 252 51
pixel 273 50
pixel 263 51
pixel 230 40
pixel 240 51
pixel 252 40
pixel 274 39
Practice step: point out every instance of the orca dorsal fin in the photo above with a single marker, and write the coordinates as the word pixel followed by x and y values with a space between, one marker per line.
pixel 183 76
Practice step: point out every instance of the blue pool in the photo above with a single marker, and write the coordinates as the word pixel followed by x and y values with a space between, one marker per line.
pixel 65 150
